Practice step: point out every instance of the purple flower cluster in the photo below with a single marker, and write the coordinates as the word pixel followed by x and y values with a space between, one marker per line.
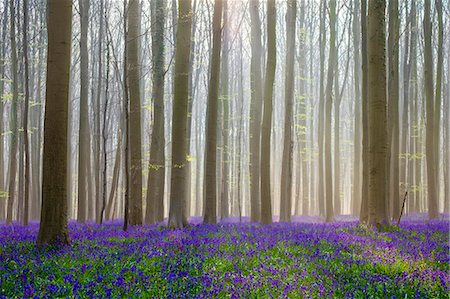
pixel 230 260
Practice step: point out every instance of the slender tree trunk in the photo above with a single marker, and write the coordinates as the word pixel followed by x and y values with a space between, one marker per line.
pixel 53 227
pixel 286 172
pixel 156 175
pixel 266 195
pixel 364 213
pixel 377 112
pixel 2 91
pixel 430 115
pixel 210 188
pixel 393 117
pixel 328 105
pixel 357 170
pixel 438 99
pixel 256 112
pixel 224 97
pixel 25 116
pixel 13 118
pixel 134 81
pixel 177 215
pixel 446 127
pixel 320 132
pixel 84 134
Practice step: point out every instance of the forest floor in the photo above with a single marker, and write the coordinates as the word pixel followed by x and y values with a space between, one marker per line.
pixel 308 259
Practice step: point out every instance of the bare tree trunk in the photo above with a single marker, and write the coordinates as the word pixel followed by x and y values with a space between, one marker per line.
pixel 155 186
pixel 210 188
pixel 328 105
pixel 2 90
pixel 393 116
pixel 177 215
pixel 364 213
pixel 320 131
pixel 53 227
pixel 357 172
pixel 430 110
pixel 256 113
pixel 13 118
pixel 133 78
pixel 224 97
pixel 84 150
pixel 25 116
pixel 286 172
pixel 266 202
pixel 377 112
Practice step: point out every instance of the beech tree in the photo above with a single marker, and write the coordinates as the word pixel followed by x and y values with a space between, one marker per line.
pixel 53 226
pixel 177 212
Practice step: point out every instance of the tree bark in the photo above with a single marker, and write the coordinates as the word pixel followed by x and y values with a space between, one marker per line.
pixel 256 112
pixel 377 112
pixel 84 151
pixel 156 175
pixel 363 215
pixel 266 192
pixel 430 115
pixel 53 227
pixel 286 172
pixel 13 118
pixel 210 188
pixel 329 213
pixel 177 212
pixel 134 81
pixel 393 116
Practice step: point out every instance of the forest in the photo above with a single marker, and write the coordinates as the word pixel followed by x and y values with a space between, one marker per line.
pixel 225 149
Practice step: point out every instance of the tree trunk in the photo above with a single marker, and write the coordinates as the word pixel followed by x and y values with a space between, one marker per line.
pixel 256 112
pixel 84 150
pixel 363 215
pixel 13 118
pixel 53 227
pixel 357 170
pixel 266 195
pixel 377 112
pixel 286 172
pixel 226 157
pixel 320 131
pixel 156 175
pixel 430 116
pixel 25 116
pixel 134 81
pixel 210 188
pixel 177 216
pixel 329 215
pixel 2 91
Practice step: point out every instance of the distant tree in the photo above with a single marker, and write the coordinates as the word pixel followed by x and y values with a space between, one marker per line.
pixel 156 171
pixel 286 172
pixel 266 192
pixel 377 112
pixel 134 134
pixel 225 98
pixel 210 186
pixel 177 216
pixel 53 226
pixel 328 105
pixel 256 112
pixel 321 121
pixel 2 108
